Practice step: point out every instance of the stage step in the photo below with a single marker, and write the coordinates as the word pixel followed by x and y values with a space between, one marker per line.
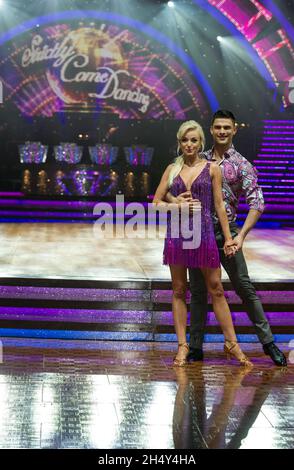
pixel 275 165
pixel 123 310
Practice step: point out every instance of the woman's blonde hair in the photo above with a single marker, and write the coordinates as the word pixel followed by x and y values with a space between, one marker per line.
pixel 179 161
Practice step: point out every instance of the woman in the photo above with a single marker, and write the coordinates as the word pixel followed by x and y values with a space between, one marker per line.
pixel 203 179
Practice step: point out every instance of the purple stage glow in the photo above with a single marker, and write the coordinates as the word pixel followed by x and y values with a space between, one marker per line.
pixel 266 139
pixel 269 167
pixel 286 121
pixel 279 127
pixel 280 193
pixel 129 316
pixel 271 161
pixel 63 293
pixel 274 181
pixel 279 133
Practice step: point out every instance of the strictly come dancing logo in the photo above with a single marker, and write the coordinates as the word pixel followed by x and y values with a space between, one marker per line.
pixel 85 67
pixel 82 59
pixel 136 220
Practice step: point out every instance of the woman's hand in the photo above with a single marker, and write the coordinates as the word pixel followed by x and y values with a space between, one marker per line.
pixel 230 247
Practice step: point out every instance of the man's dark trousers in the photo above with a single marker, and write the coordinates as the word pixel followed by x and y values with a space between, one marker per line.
pixel 236 269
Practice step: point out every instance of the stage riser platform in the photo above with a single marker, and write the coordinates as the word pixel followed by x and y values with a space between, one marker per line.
pixel 130 311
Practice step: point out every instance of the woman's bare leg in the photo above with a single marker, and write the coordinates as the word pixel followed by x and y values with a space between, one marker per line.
pixel 179 306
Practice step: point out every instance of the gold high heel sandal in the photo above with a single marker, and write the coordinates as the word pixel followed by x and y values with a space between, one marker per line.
pixel 232 349
pixel 181 361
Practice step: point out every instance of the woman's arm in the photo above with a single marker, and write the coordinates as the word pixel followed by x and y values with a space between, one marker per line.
pixel 162 190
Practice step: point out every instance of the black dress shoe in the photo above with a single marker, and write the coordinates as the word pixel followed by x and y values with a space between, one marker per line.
pixel 195 354
pixel 275 354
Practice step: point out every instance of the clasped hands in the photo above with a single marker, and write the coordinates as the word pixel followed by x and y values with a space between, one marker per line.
pixel 230 246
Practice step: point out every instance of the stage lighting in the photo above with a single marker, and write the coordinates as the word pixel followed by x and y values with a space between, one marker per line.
pixel 171 4
pixel 219 38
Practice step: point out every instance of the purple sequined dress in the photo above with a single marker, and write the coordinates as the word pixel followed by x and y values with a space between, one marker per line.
pixel 206 256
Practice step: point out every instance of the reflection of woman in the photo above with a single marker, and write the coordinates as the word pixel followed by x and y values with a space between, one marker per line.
pixel 203 180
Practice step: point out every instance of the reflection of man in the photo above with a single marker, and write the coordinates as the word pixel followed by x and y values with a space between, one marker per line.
pixel 205 417
pixel 260 387
pixel 239 177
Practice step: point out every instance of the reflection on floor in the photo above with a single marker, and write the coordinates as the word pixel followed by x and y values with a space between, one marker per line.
pixel 126 394
pixel 91 394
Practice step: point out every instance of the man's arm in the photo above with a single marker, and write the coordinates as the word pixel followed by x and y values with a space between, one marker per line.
pixel 216 179
pixel 183 197
pixel 254 198
pixel 252 218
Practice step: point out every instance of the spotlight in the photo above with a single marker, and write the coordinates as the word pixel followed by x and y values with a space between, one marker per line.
pixel 171 4
pixel 219 38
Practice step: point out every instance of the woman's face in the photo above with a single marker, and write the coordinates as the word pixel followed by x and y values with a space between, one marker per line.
pixel 190 143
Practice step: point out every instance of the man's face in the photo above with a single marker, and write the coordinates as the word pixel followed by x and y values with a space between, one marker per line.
pixel 223 131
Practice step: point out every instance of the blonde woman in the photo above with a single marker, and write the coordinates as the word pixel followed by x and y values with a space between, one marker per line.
pixel 203 180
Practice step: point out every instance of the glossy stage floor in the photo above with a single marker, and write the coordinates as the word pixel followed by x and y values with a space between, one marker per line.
pixel 87 345
pixel 72 251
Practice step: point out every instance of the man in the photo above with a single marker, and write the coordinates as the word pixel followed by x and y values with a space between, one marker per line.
pixel 239 177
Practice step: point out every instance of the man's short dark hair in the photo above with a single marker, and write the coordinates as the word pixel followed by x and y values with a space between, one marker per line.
pixel 223 114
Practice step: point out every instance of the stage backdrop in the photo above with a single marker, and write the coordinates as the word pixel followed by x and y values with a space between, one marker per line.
pixel 128 73
pixel 74 68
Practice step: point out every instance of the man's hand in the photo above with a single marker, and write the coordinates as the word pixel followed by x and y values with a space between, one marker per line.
pixel 238 241
pixel 186 198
